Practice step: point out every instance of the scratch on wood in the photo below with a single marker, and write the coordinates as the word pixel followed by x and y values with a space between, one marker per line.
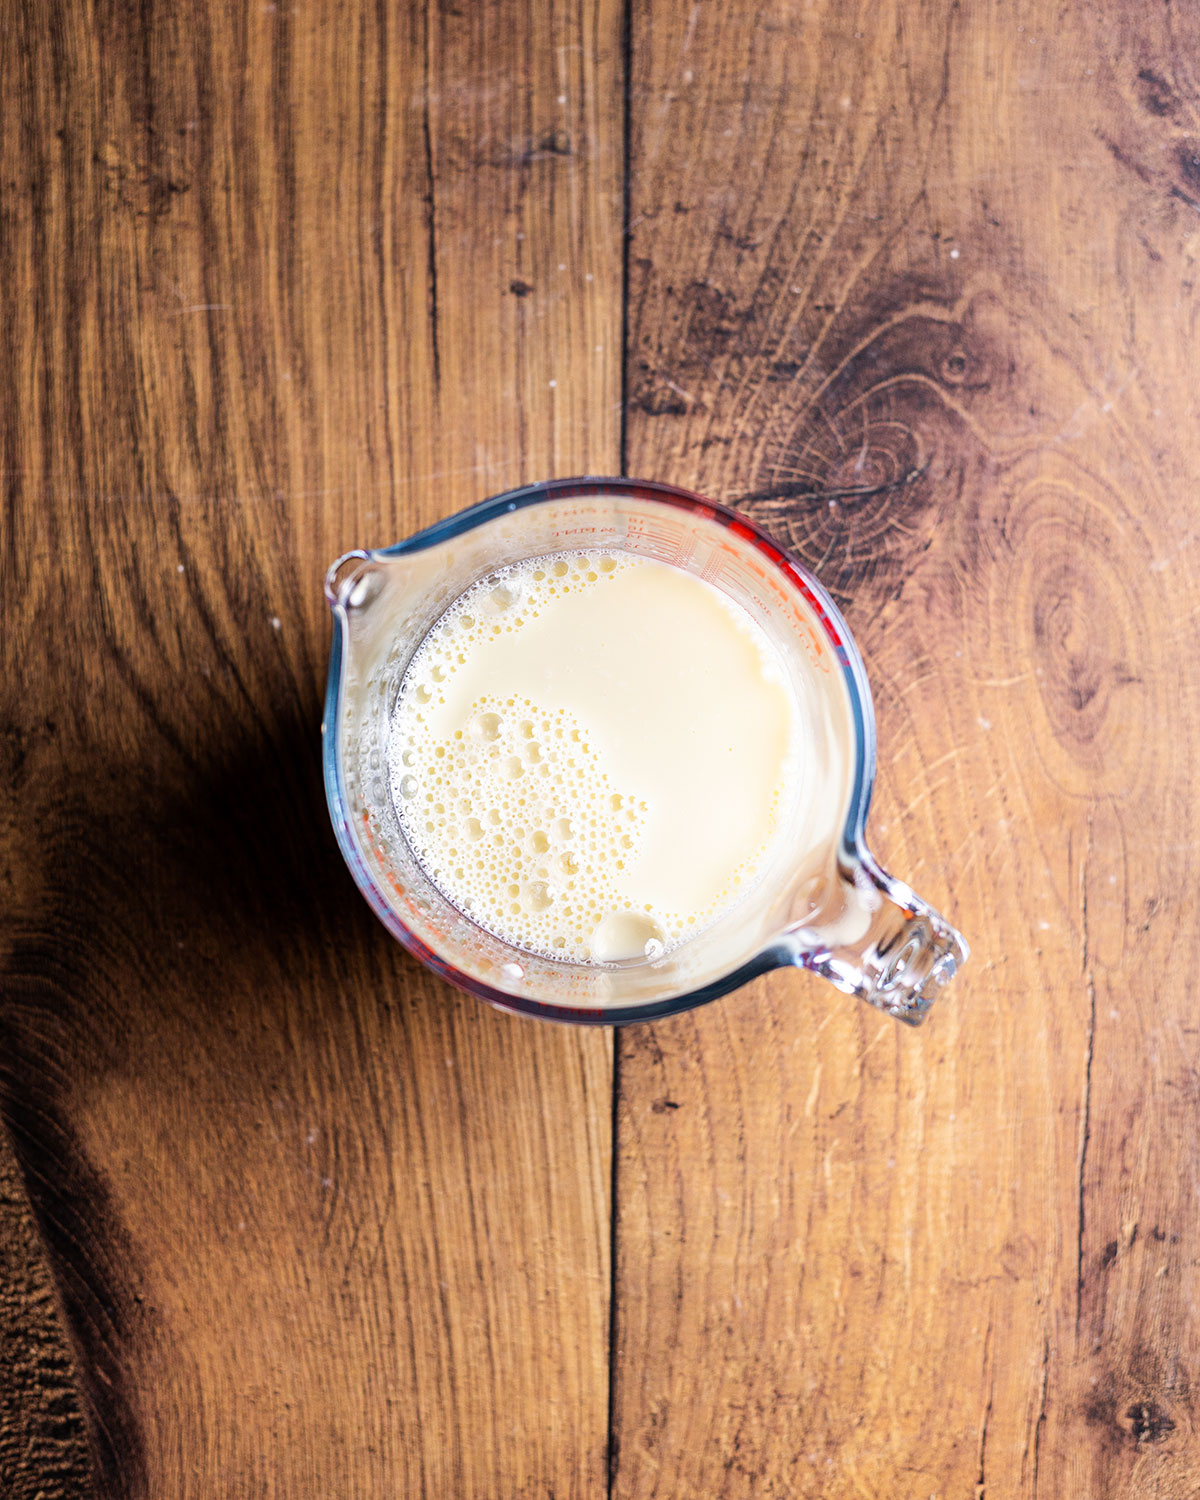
pixel 981 1482
pixel 803 491
pixel 430 217
pixel 1087 1083
pixel 1041 1416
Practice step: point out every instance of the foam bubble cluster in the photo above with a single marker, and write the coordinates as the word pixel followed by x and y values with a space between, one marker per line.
pixel 512 816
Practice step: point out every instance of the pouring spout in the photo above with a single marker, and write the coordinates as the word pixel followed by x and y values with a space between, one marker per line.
pixel 345 578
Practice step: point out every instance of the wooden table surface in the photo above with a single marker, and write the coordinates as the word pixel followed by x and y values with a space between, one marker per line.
pixel 913 283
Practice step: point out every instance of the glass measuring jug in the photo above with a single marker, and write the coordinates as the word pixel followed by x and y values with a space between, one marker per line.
pixel 825 905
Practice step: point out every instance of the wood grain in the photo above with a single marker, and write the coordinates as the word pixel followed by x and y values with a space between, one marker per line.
pixel 918 293
pixel 914 284
pixel 277 281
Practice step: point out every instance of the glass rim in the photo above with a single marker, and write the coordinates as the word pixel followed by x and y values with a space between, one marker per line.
pixel 774 955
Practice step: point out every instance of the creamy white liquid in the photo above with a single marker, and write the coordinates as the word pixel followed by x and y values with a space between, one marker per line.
pixel 593 755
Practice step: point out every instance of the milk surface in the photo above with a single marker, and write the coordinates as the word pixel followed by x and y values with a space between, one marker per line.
pixel 592 755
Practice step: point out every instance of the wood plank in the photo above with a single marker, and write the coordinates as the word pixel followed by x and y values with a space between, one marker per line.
pixel 914 284
pixel 277 281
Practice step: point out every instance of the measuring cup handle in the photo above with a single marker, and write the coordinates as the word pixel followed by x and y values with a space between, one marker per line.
pixel 875 938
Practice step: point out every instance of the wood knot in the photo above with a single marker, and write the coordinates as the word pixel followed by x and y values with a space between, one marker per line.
pixel 954 367
pixel 851 492
pixel 866 479
pixel 1078 602
pixel 1149 1422
pixel 657 396
pixel 1155 94
pixel 550 145
pixel 1077 636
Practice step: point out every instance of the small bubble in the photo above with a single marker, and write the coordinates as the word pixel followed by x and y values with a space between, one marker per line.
pixel 485 727
pixel 503 596
pixel 408 786
pixel 537 897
